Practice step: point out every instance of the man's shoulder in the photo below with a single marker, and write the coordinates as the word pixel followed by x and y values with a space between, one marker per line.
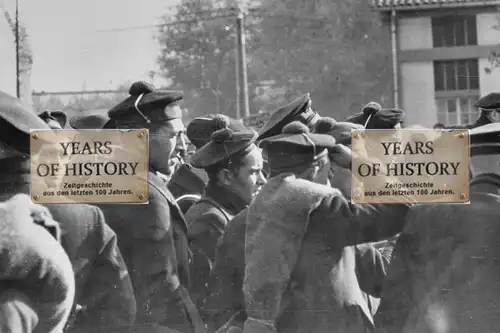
pixel 236 228
pixel 204 212
pixel 82 213
pixel 81 224
pixel 186 180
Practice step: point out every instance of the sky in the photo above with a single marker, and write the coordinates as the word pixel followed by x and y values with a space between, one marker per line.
pixel 71 52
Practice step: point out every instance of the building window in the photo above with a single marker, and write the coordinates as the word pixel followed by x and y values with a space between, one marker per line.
pixel 449 31
pixel 456 85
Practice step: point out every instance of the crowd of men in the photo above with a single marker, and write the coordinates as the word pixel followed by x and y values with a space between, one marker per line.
pixel 254 233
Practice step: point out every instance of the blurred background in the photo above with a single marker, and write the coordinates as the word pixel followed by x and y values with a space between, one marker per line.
pixel 244 58
pixel 82 55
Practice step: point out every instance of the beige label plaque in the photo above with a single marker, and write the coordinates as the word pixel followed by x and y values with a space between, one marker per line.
pixel 410 166
pixel 89 166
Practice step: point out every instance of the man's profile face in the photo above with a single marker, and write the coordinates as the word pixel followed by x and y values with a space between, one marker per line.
pixel 248 178
pixel 323 174
pixel 163 139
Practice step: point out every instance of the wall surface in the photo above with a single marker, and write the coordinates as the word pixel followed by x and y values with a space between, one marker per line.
pixel 416 78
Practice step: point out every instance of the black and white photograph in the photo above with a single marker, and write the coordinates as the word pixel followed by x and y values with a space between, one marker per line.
pixel 290 166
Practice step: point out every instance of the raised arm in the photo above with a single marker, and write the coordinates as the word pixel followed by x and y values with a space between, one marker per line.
pixel 359 223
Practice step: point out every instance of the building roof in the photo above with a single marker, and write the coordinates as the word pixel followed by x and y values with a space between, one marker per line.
pixel 429 4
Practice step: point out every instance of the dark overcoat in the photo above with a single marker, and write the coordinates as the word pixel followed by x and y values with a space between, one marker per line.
pixel 103 286
pixel 300 273
pixel 444 272
pixel 152 238
pixel 224 295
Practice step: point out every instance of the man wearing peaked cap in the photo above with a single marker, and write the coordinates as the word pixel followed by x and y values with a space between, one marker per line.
pixel 298 110
pixel 234 167
pixel 92 121
pixel 160 283
pixel 373 116
pixel 103 287
pixel 291 226
pixel 489 102
pixel 189 180
pixel 55 119
pixel 488 106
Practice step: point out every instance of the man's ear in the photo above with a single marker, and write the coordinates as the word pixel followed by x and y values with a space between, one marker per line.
pixel 225 177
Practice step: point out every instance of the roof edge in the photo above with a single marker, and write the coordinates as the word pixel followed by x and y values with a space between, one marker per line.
pixel 434 6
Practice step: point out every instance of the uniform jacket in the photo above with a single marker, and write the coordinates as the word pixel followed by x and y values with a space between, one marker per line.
pixel 224 296
pixel 444 272
pixel 103 286
pixel 206 222
pixel 187 180
pixel 300 273
pixel 484 118
pixel 152 239
pixel 37 285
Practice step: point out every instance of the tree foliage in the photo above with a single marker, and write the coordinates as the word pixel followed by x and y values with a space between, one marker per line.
pixel 337 50
pixel 198 54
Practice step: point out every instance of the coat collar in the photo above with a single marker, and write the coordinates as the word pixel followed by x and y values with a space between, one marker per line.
pixel 225 197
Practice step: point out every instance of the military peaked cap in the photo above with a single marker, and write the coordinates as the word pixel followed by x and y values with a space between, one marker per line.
pixel 200 129
pixel 374 117
pixel 58 117
pixel 225 145
pixel 298 110
pixel 490 102
pixel 147 105
pixel 296 146
pixel 93 121
pixel 340 131
pixel 16 122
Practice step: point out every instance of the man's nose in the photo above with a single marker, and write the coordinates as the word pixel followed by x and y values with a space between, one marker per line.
pixel 262 179
pixel 181 143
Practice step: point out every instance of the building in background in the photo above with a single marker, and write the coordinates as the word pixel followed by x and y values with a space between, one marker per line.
pixel 7 55
pixel 442 56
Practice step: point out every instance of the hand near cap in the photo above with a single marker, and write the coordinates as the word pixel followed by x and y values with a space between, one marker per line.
pixel 341 155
